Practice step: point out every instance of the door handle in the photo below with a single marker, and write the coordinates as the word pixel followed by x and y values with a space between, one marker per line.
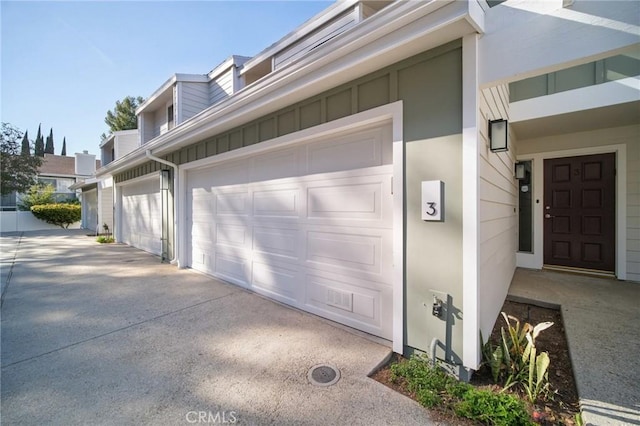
pixel 548 216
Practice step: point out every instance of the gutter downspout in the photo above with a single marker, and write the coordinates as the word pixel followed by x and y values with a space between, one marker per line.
pixel 150 156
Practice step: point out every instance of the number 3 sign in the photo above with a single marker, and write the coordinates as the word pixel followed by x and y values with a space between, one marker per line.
pixel 432 200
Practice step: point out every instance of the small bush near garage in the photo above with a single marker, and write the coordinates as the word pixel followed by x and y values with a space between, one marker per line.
pixel 432 387
pixel 61 215
pixel 105 239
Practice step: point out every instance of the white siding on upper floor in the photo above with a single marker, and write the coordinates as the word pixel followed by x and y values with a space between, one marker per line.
pixel 124 144
pixel 145 126
pixel 192 98
pixel 159 119
pixel 497 216
pixel 221 87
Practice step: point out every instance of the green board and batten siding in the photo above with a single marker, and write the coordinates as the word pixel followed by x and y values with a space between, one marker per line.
pixel 430 86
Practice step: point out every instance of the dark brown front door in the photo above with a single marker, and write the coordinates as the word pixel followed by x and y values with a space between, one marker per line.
pixel 579 212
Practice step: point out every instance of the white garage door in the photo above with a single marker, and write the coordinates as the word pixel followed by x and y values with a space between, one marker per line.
pixel 310 226
pixel 141 215
pixel 90 207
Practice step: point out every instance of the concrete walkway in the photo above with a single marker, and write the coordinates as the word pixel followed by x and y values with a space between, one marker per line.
pixel 602 323
pixel 106 334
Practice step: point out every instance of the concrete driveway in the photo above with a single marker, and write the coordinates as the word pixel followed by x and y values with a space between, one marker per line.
pixel 106 334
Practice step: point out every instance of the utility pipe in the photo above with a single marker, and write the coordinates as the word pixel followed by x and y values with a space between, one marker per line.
pixel 435 342
pixel 150 156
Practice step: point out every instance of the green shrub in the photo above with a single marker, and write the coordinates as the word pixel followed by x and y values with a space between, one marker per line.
pixel 492 408
pixel 62 215
pixel 38 194
pixel 435 388
pixel 104 239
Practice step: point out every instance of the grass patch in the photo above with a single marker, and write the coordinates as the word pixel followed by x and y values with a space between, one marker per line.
pixel 104 239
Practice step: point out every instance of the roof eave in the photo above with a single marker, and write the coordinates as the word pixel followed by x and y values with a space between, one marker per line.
pixel 292 81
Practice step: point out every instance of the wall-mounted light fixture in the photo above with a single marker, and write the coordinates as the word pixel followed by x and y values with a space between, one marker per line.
pixel 498 135
pixel 521 171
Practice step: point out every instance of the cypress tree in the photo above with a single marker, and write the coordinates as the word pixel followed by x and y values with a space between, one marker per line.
pixel 39 148
pixel 48 149
pixel 26 150
pixel 64 146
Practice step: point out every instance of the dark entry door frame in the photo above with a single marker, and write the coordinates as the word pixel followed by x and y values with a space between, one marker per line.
pixel 535 259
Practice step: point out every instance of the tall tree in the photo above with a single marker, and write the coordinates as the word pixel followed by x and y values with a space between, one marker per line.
pixel 17 172
pixel 48 149
pixel 64 146
pixel 123 116
pixel 26 148
pixel 39 148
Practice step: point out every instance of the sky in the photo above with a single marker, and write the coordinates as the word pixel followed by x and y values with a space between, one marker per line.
pixel 65 64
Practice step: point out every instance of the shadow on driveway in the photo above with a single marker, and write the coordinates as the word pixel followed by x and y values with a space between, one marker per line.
pixel 107 334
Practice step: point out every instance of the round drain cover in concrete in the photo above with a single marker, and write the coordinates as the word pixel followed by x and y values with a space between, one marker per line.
pixel 323 375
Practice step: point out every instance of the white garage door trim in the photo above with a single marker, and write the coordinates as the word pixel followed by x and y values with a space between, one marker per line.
pixel 151 243
pixel 391 112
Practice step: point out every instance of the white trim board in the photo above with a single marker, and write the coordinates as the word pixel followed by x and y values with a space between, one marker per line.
pixel 391 112
pixel 470 187
pixel 535 260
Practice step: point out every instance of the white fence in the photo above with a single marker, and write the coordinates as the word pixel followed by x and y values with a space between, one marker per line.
pixel 25 221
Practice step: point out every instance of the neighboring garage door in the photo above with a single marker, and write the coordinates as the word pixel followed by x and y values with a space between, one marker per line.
pixel 90 204
pixel 310 226
pixel 142 215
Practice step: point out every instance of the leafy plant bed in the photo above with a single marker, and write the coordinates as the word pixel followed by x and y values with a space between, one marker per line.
pixel 450 400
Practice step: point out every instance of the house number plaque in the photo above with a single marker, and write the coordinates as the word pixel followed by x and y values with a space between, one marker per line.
pixel 433 200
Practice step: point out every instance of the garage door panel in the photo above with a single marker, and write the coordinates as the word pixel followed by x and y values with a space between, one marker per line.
pixel 349 201
pixel 277 242
pixel 275 165
pixel 225 174
pixel 351 251
pixel 357 252
pixel 358 306
pixel 232 267
pixel 201 206
pixel 200 259
pixel 231 235
pixel 280 203
pixel 232 203
pixel 346 153
pixel 202 236
pixel 273 279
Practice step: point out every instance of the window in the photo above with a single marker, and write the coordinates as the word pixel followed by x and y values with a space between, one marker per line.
pixel 8 202
pixel 170 117
pixel 525 215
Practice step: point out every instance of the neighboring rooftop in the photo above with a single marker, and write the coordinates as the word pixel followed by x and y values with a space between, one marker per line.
pixel 60 165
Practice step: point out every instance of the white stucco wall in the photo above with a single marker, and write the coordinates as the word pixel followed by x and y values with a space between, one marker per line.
pixel 25 221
